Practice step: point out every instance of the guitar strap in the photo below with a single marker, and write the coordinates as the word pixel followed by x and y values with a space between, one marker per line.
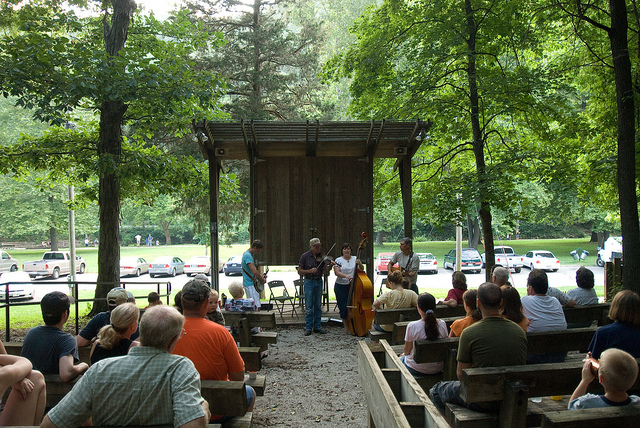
pixel 409 261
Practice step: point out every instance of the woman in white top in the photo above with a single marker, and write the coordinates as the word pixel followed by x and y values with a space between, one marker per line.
pixel 345 270
pixel 427 327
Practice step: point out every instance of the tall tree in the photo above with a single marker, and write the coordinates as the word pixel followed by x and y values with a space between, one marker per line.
pixel 474 69
pixel 56 62
pixel 613 22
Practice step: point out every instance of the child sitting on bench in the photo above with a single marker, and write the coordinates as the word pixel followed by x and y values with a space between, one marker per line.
pixel 617 373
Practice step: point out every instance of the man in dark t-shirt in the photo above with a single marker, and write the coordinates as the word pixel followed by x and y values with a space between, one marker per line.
pixel 51 350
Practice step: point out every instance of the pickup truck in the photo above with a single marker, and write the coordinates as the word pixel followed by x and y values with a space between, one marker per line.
pixel 53 264
pixel 505 256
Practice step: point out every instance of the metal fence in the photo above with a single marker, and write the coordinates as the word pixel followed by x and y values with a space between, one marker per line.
pixel 73 288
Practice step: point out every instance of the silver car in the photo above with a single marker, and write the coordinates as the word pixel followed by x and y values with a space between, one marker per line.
pixel 133 266
pixel 198 264
pixel 20 286
pixel 7 263
pixel 166 265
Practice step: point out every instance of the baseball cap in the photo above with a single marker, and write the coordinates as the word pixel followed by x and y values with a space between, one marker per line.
pixel 314 241
pixel 196 290
pixel 117 296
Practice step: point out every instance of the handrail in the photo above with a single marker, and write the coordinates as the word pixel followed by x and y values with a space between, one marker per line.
pixel 73 285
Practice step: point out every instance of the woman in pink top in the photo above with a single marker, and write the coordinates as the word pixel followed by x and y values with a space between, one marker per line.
pixel 454 297
pixel 427 327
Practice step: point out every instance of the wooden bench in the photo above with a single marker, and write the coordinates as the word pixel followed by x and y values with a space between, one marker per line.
pixel 511 387
pixel 394 398
pixel 245 321
pixel 446 350
pixel 391 316
pixel 619 417
pixel 598 313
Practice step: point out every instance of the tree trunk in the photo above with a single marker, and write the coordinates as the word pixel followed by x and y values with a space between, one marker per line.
pixel 53 237
pixel 626 145
pixel 109 147
pixel 474 231
pixel 478 143
pixel 167 234
pixel 380 235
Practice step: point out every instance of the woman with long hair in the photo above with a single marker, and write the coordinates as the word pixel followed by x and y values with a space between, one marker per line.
pixel 345 270
pixel 624 332
pixel 399 295
pixel 459 283
pixel 469 299
pixel 512 307
pixel 114 339
pixel 427 327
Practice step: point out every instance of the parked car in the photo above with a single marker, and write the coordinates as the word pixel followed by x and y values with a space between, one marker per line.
pixel 133 266
pixel 428 263
pixel 198 264
pixel 471 260
pixel 20 286
pixel 612 249
pixel 541 259
pixel 54 264
pixel 166 265
pixel 382 261
pixel 233 266
pixel 505 256
pixel 7 263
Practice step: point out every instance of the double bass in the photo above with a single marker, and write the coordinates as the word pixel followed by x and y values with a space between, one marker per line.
pixel 359 304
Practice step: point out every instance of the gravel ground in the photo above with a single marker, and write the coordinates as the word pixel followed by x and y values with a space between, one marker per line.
pixel 311 381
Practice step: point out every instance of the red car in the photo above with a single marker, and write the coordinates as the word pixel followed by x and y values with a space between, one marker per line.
pixel 382 261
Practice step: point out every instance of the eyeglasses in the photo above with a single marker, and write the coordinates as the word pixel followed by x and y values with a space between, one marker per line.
pixel 183 332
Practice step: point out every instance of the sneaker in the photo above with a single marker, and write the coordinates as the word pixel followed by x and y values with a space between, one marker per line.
pixel 320 330
pixel 307 332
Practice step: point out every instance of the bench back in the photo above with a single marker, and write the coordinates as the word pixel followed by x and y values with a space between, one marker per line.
pixel 606 417
pixel 389 316
pixel 580 314
pixel 226 398
pixel 15 348
pixel 488 384
pixel 264 319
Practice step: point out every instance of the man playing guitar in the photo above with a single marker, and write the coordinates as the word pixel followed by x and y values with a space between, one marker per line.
pixel 250 274
pixel 408 261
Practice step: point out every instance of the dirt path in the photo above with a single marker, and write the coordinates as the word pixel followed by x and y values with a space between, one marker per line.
pixel 311 381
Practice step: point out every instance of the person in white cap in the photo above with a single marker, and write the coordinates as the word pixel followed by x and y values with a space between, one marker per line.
pixel 89 333
pixel 312 266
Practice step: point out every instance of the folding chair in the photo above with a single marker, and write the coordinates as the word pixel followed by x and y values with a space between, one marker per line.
pixel 281 298
pixel 298 298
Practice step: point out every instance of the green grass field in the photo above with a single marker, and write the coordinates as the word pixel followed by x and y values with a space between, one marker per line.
pixel 29 315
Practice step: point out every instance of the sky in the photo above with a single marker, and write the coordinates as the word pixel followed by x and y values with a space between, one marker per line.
pixel 160 8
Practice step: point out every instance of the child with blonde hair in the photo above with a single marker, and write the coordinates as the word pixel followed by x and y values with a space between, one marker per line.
pixel 213 314
pixel 617 373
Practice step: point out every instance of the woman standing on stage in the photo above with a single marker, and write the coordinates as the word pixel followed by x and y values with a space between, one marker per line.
pixel 345 270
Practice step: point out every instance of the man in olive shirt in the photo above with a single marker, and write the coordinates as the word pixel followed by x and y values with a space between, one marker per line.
pixel 490 342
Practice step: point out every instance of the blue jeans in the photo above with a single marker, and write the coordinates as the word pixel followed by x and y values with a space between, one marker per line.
pixel 449 392
pixel 312 303
pixel 414 372
pixel 342 296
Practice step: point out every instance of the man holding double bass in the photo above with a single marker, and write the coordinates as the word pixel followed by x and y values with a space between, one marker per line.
pixel 313 265
pixel 408 261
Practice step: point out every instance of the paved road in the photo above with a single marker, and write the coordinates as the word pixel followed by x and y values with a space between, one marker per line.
pixel 564 277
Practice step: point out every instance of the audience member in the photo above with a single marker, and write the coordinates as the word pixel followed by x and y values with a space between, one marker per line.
pixel 398 296
pixel 473 313
pixel 563 298
pixel 149 386
pixel 209 345
pixel 617 374
pixel 154 299
pixel 237 301
pixel 27 399
pixel 544 314
pixel 51 350
pixel 454 297
pixel 213 312
pixel 116 296
pixel 493 341
pixel 584 294
pixel 114 339
pixel 543 311
pixel 511 308
pixel 624 332
pixel 427 327
pixel 500 276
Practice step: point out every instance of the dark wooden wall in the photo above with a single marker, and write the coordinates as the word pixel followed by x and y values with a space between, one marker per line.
pixel 298 198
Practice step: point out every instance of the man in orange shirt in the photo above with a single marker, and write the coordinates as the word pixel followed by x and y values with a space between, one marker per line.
pixel 208 345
